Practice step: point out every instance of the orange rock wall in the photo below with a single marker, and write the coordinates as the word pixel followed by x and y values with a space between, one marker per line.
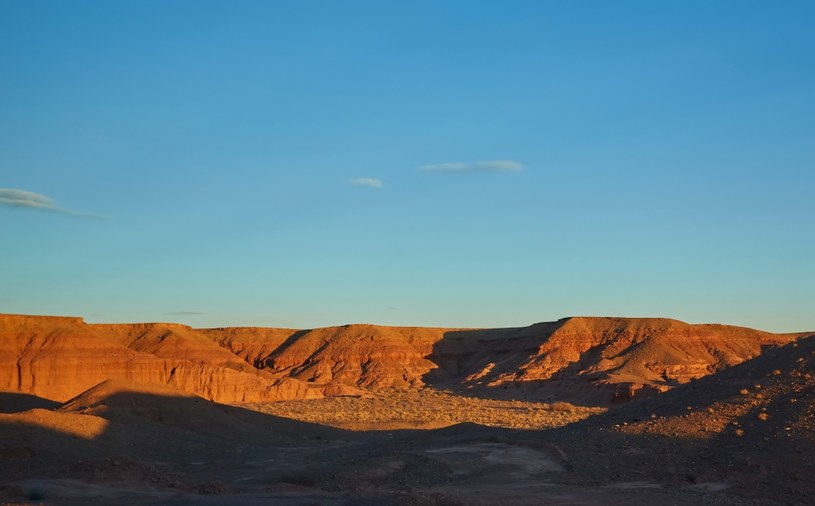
pixel 593 358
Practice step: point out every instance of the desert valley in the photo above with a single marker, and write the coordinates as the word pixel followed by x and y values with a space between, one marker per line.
pixel 583 410
pixel 326 253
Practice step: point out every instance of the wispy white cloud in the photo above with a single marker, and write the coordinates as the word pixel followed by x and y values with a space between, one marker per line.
pixel 11 197
pixel 489 165
pixel 184 313
pixel 366 181
pixel 22 198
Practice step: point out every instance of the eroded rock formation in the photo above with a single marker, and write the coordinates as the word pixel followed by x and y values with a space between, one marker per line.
pixel 599 357
pixel 58 358
pixel 594 359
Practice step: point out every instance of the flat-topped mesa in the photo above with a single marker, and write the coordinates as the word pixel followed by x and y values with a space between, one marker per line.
pixel 57 358
pixel 24 322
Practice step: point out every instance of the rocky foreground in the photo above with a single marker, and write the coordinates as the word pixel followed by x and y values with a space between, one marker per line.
pixel 683 414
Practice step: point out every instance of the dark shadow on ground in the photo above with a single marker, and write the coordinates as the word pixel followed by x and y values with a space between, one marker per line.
pixel 181 445
pixel 763 452
pixel 15 402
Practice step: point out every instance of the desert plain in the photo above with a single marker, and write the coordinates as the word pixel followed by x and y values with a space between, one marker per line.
pixel 583 410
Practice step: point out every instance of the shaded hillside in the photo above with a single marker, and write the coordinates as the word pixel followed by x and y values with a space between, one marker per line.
pixel 751 427
pixel 769 396
pixel 149 435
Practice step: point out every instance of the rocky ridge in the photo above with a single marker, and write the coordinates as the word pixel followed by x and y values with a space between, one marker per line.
pixel 585 359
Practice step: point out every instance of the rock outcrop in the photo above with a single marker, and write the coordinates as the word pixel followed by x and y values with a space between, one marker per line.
pixel 598 358
pixel 365 356
pixel 252 344
pixel 57 358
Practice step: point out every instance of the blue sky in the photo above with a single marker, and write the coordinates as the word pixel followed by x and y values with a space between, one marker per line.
pixel 446 163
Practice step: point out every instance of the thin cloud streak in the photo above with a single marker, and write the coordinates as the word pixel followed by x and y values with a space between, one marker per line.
pixel 11 197
pixel 489 165
pixel 184 313
pixel 366 181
